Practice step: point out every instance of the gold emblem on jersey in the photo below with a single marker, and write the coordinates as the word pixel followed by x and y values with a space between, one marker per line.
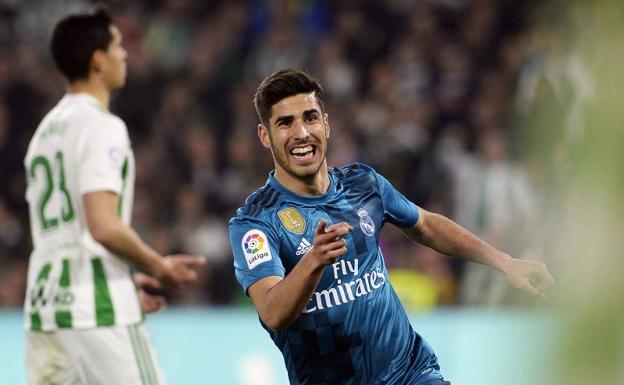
pixel 292 220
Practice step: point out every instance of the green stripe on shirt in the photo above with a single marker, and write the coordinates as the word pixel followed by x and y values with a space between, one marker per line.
pixel 35 317
pixel 64 317
pixel 104 311
pixel 124 177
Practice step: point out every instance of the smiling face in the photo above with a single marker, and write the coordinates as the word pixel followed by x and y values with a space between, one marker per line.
pixel 297 136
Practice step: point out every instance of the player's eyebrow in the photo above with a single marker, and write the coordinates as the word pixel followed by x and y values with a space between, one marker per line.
pixel 286 119
pixel 312 111
pixel 289 118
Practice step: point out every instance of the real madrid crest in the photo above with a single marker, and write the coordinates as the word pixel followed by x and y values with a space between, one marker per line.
pixel 366 222
pixel 292 220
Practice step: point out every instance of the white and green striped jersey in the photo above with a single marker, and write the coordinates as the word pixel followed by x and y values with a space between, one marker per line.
pixel 73 281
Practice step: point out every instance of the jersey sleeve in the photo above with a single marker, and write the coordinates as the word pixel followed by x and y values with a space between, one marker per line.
pixel 398 210
pixel 255 247
pixel 104 152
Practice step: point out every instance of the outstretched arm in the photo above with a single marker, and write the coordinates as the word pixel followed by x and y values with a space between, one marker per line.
pixel 447 237
pixel 280 301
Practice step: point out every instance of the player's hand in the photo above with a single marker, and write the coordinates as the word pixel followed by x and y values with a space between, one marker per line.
pixel 180 270
pixel 328 242
pixel 146 285
pixel 530 276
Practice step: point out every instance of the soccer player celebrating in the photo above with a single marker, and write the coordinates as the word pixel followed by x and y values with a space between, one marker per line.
pixel 83 311
pixel 306 250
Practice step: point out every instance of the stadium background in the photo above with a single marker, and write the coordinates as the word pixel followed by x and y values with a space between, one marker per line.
pixel 474 109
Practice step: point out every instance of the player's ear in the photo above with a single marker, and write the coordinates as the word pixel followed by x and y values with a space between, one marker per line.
pixel 98 60
pixel 263 134
pixel 327 129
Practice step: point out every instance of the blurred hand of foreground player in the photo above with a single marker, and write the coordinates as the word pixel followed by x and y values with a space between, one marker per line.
pixel 328 242
pixel 530 276
pixel 146 286
pixel 179 270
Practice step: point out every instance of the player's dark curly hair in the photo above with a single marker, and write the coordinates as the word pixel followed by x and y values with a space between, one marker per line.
pixel 76 37
pixel 282 84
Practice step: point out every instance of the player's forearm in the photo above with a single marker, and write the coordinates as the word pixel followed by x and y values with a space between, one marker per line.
pixel 285 301
pixel 121 240
pixel 447 237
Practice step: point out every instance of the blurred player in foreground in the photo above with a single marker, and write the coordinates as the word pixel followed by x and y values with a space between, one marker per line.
pixel 306 250
pixel 83 311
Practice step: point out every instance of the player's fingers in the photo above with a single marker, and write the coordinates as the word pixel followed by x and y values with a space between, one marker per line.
pixel 549 278
pixel 542 279
pixel 146 282
pixel 342 226
pixel 337 225
pixel 190 261
pixel 195 262
pixel 324 239
pixel 326 247
pixel 320 228
pixel 151 303
pixel 159 304
pixel 543 284
pixel 153 306
pixel 190 276
pixel 333 254
pixel 533 290
pixel 185 277
pixel 155 302
pixel 332 235
pixel 335 245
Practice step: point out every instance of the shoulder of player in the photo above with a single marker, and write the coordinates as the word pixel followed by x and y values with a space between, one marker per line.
pixel 354 171
pixel 107 125
pixel 259 206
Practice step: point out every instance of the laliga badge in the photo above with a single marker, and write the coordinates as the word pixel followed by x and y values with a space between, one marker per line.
pixel 366 222
pixel 292 220
pixel 256 248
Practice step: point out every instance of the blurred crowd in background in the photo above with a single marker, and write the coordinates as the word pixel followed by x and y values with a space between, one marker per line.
pixel 430 93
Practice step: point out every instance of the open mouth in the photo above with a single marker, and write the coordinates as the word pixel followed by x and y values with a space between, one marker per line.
pixel 303 152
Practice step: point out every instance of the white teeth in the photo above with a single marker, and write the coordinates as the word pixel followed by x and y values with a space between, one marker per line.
pixel 301 150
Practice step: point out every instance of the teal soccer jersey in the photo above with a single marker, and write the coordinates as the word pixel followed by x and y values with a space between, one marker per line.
pixel 353 330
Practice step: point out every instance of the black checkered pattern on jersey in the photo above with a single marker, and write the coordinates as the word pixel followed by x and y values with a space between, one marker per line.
pixel 322 350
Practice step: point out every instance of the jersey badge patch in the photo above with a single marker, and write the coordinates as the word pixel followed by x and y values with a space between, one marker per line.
pixel 292 220
pixel 114 156
pixel 366 222
pixel 256 248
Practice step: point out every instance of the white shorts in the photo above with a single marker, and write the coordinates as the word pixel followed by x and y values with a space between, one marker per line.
pixel 120 355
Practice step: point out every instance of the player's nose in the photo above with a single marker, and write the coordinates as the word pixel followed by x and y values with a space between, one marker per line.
pixel 300 130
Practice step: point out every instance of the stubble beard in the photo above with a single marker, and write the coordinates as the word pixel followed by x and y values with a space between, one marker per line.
pixel 304 176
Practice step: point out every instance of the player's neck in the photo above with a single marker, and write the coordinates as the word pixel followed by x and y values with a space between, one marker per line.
pixel 314 186
pixel 98 91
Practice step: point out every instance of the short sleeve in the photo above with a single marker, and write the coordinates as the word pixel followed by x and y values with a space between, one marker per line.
pixel 105 149
pixel 398 210
pixel 256 251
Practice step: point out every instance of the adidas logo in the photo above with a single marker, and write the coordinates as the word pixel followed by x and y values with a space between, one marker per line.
pixel 304 246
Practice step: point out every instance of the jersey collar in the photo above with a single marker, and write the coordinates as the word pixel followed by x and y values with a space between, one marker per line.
pixel 303 198
pixel 87 98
